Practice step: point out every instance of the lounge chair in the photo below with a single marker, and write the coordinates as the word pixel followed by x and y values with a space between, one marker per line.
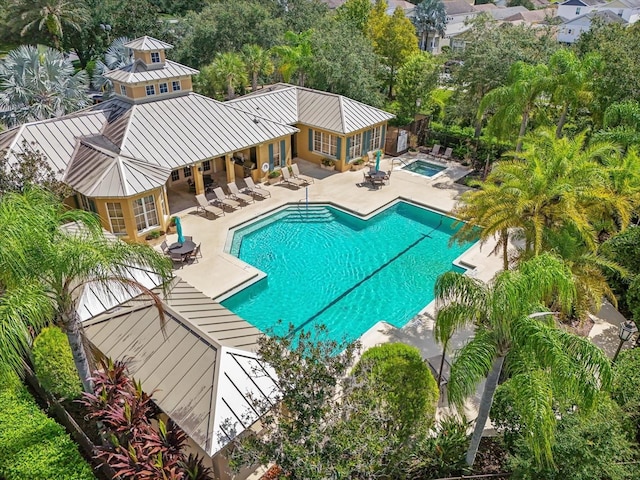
pixel 221 199
pixel 235 193
pixel 254 189
pixel 296 173
pixel 435 151
pixel 205 206
pixel 287 178
pixel 447 153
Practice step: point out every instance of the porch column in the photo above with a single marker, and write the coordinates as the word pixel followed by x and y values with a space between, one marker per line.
pixel 231 171
pixel 196 173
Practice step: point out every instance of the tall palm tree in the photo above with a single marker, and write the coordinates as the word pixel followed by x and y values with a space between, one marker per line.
pixel 230 71
pixel 621 124
pixel 116 56
pixel 429 17
pixel 39 83
pixel 571 79
pixel 55 16
pixel 44 269
pixel 258 62
pixel 295 56
pixel 506 331
pixel 515 102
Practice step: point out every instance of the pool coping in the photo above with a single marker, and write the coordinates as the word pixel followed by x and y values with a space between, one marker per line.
pixel 436 162
pixel 470 269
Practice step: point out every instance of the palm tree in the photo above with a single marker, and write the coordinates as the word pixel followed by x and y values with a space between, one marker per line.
pixel 429 16
pixel 295 56
pixel 39 83
pixel 44 269
pixel 258 62
pixel 230 71
pixel 515 101
pixel 116 56
pixel 55 16
pixel 570 81
pixel 621 124
pixel 506 331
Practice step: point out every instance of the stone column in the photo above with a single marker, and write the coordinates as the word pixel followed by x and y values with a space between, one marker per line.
pixel 231 171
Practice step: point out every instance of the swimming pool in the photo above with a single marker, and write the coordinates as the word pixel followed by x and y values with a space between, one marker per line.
pixel 424 168
pixel 325 266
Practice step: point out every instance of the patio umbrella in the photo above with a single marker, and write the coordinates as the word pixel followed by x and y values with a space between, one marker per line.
pixel 179 230
pixel 378 154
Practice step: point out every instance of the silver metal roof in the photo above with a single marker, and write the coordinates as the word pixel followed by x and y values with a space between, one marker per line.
pixel 97 170
pixel 147 43
pixel 138 71
pixel 328 111
pixel 199 380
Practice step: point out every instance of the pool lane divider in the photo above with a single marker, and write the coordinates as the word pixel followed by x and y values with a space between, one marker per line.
pixel 347 292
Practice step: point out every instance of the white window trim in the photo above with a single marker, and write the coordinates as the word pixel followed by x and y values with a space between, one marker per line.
pixel 329 142
pixel 277 155
pixel 355 154
pixel 144 213
pixel 159 58
pixel 111 221
pixel 123 90
pixel 377 131
pixel 160 88
pixel 173 85
pixel 152 87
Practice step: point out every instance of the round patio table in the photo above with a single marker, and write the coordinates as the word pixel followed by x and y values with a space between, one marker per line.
pixel 183 248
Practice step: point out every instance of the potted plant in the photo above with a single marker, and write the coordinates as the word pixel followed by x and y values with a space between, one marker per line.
pixel 171 225
pixel 358 164
pixel 274 177
pixel 153 236
pixel 328 164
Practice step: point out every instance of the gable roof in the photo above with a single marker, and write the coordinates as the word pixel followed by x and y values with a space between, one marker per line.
pixel 147 43
pixel 606 16
pixel 458 7
pixel 200 379
pixel 97 170
pixel 138 71
pixel 327 111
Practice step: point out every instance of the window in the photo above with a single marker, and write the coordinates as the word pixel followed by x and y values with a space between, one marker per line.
pixel 87 204
pixel 116 218
pixel 376 138
pixel 163 206
pixel 175 175
pixel 123 90
pixel 206 165
pixel 325 143
pixel 155 57
pixel 175 85
pixel 355 149
pixel 144 211
pixel 164 88
pixel 578 10
pixel 277 157
pixel 151 90
pixel 186 171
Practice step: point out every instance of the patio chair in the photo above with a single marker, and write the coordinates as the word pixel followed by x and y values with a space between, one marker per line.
pixel 221 199
pixel 164 246
pixel 205 206
pixel 235 193
pixel 177 258
pixel 287 178
pixel 193 256
pixel 447 153
pixel 191 184
pixel 296 173
pixel 254 189
pixel 435 151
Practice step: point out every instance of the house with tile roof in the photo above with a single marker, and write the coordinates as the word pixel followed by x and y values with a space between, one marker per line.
pixel 126 155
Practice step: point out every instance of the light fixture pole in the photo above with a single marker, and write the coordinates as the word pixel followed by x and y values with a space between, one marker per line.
pixel 627 329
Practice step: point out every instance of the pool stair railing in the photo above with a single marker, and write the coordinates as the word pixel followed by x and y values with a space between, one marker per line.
pixel 309 214
pixel 400 160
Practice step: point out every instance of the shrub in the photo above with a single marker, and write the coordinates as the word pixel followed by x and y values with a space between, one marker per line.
pixel 404 381
pixel 626 385
pixel 328 162
pixel 32 445
pixel 275 174
pixel 54 364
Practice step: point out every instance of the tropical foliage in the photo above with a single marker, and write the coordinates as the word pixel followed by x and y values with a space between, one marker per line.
pixel 116 56
pixel 53 364
pixel 54 17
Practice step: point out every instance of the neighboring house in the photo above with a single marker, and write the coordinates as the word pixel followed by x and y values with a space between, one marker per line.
pixel 407 7
pixel 628 10
pixel 571 9
pixel 570 30
pixel 459 14
pixel 124 157
pixel 201 365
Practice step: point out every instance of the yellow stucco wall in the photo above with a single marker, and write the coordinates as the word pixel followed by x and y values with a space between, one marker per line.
pixel 146 56
pixel 138 90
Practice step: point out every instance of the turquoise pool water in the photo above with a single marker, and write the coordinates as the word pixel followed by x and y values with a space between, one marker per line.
pixel 424 168
pixel 325 266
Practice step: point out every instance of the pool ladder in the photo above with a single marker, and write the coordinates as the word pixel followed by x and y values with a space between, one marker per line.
pixel 309 214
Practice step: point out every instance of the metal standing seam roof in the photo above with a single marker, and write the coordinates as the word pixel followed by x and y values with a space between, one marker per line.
pixel 138 71
pixel 328 111
pixel 199 380
pixel 97 171
pixel 147 43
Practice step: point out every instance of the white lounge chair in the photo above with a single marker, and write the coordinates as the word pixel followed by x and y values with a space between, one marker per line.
pixel 287 178
pixel 447 153
pixel 221 199
pixel 435 151
pixel 296 173
pixel 204 206
pixel 235 193
pixel 254 189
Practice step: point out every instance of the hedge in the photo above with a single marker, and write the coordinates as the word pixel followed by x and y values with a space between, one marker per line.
pixel 54 365
pixel 403 379
pixel 32 445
